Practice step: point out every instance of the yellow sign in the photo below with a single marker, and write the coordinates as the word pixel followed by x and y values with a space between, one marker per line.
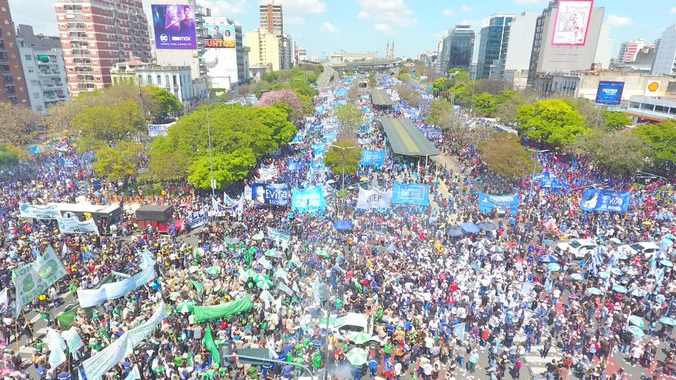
pixel 653 87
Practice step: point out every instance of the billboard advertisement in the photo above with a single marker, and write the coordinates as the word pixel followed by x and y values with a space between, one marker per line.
pixel 609 92
pixel 174 26
pixel 219 36
pixel 572 22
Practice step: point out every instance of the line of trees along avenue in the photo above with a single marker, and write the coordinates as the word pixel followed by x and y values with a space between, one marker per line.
pixel 575 126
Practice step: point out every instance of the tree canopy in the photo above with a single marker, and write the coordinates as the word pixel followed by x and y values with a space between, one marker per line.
pixel 334 158
pixel 441 114
pixel 552 121
pixel 118 162
pixel 239 136
pixel 506 157
pixel 621 152
pixel 662 139
pixel 284 96
pixel 16 123
pixel 350 117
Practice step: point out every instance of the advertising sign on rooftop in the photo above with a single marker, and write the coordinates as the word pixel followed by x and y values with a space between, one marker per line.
pixel 174 26
pixel 572 22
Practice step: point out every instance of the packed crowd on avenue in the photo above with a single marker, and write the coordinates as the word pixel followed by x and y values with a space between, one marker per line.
pixel 416 283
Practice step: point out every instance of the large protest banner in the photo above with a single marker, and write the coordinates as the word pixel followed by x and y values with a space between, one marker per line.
pixel 36 278
pixel 113 290
pixel 74 226
pixel 39 212
pixel 605 201
pixel 222 311
pixel 279 235
pixel 97 365
pixel 411 194
pixel 373 157
pixel 500 203
pixel 373 199
pixel 277 194
pixel 306 200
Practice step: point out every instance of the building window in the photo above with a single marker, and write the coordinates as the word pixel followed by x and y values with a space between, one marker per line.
pixel 36 95
pixel 29 57
pixel 159 80
pixel 6 22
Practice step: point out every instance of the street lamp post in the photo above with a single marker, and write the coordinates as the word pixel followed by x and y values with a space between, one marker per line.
pixel 211 154
pixel 343 149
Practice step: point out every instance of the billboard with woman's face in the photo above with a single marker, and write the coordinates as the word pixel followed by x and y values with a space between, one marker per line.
pixel 174 26
pixel 219 36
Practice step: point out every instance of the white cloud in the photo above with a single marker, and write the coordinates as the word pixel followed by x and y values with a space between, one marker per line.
pixel 294 20
pixel 448 12
pixel 304 6
pixel 329 28
pixel 387 15
pixel 673 11
pixel 616 20
pixel 465 8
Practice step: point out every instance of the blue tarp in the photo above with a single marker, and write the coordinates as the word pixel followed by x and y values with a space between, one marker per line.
pixel 343 225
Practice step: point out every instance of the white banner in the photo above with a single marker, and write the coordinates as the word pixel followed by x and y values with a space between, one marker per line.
pixel 97 365
pixel 36 278
pixel 113 290
pixel 267 173
pixel 74 226
pixel 134 374
pixel 373 199
pixel 4 301
pixel 56 346
pixel 73 341
pixel 39 212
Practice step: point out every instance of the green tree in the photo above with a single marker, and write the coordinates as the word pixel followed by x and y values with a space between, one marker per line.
pixel 344 159
pixel 167 102
pixel 622 152
pixel 16 123
pixel 411 96
pixel 510 103
pixel 102 124
pixel 442 114
pixel 404 77
pixel 7 156
pixel 552 121
pixel 485 104
pixel 118 162
pixel 592 115
pixel 662 139
pixel 442 84
pixel 458 75
pixel 350 117
pixel 505 156
pixel 166 166
pixel 615 121
pixel 228 168
pixel 373 81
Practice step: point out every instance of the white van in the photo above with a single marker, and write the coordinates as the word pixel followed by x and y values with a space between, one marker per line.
pixel 343 326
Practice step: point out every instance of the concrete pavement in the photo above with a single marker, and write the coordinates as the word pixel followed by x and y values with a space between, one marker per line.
pixel 324 79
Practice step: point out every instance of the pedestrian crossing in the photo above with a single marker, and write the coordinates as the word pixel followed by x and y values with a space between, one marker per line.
pixel 533 360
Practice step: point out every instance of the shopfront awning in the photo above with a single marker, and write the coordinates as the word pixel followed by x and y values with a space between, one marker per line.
pixel 406 140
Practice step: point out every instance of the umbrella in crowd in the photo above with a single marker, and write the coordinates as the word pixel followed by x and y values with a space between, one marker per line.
pixel 637 321
pixel 668 321
pixel 357 356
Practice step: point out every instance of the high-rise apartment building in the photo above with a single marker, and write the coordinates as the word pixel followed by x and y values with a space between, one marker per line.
pixel 43 66
pixel 12 81
pixel 457 49
pixel 493 42
pixel 97 34
pixel 629 50
pixel 520 47
pixel 264 50
pixel 547 58
pixel 272 19
pixel 665 57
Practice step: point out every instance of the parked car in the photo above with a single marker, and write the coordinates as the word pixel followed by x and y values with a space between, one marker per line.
pixel 580 248
pixel 645 248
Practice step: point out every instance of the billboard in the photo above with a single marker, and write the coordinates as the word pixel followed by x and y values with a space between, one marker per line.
pixel 652 88
pixel 218 36
pixel 609 92
pixel 174 26
pixel 572 22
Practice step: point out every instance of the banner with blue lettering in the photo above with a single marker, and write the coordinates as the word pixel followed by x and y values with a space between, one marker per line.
pixel 277 194
pixel 411 194
pixel 500 203
pixel 605 201
pixel 197 218
pixel 373 157
pixel 305 200
pixel 549 181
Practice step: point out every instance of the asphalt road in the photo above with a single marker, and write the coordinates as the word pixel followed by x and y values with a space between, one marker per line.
pixel 325 78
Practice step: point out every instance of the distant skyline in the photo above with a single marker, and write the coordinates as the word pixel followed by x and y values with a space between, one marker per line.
pixel 326 26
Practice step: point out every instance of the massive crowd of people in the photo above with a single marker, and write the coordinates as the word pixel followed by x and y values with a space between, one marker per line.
pixel 437 302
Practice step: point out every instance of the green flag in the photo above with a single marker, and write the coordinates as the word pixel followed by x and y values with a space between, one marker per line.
pixel 209 344
pixel 199 288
